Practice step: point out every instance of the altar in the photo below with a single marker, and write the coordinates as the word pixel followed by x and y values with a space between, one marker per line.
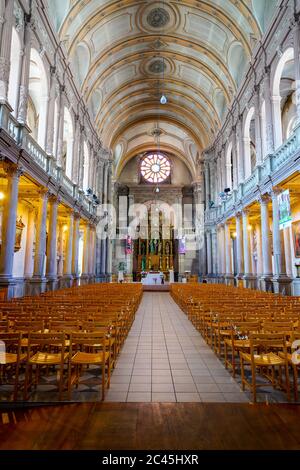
pixel 153 278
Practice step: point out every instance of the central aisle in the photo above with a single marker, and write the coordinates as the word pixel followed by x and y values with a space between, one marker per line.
pixel 165 359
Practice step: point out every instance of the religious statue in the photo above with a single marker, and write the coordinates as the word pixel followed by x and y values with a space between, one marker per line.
pixel 149 263
pixel 19 230
pixel 167 248
pixel 143 248
pixel 152 247
pixel 144 263
pixel 159 247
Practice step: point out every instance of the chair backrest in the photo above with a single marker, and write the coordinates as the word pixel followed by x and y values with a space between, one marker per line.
pixel 29 326
pixel 9 342
pixel 63 326
pixel 94 338
pixel 46 339
pixel 4 325
pixel 265 342
pixel 246 328
pixel 277 327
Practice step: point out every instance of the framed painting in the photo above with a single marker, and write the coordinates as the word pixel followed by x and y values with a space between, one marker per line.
pixel 296 237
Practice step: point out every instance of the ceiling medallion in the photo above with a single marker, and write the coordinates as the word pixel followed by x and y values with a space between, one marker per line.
pixel 157 66
pixel 158 18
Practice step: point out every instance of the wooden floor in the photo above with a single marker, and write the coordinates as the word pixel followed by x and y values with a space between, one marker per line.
pixel 145 426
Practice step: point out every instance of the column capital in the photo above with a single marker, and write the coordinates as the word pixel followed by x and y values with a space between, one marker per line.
pixel 45 193
pixel 238 214
pixel 12 170
pixel 264 198
pixel 275 191
pixel 245 211
pixel 54 199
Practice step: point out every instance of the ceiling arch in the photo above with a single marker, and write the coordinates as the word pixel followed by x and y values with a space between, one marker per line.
pixel 125 53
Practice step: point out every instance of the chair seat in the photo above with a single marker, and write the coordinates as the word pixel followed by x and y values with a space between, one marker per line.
pixel 289 357
pixel 238 343
pixel 24 343
pixel 89 358
pixel 47 358
pixel 269 359
pixel 11 358
pixel 225 332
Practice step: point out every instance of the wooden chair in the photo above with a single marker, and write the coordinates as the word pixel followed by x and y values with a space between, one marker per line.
pixel 294 359
pixel 238 341
pixel 263 360
pixel 89 349
pixel 11 358
pixel 40 354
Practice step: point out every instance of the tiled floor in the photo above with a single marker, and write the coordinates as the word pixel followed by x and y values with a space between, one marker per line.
pixel 165 359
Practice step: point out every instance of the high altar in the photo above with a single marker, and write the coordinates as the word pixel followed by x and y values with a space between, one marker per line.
pixel 155 255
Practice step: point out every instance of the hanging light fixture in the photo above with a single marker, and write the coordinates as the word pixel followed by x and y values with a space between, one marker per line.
pixel 163 98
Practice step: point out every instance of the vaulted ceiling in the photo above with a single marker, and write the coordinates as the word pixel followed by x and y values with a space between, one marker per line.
pixel 126 53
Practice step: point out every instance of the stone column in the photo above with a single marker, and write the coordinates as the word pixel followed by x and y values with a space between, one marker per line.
pixel 296 32
pixel 240 151
pixel 69 248
pixel 103 257
pixel 265 244
pixel 13 174
pixel 207 184
pixel 25 67
pixel 98 257
pixel 51 266
pixel 209 253
pixel 99 185
pixel 61 250
pixel 5 46
pixel 80 158
pixel 109 241
pixel 239 247
pixel 60 129
pixel 228 260
pixel 214 251
pixel 235 169
pixel 221 252
pixel 92 252
pixel 51 113
pixel 28 265
pixel 281 281
pixel 105 173
pixel 40 242
pixel 258 146
pixel 76 149
pixel 249 279
pixel 259 268
pixel 86 246
pixel 199 204
pixel 277 125
pixel 269 112
pixel 75 246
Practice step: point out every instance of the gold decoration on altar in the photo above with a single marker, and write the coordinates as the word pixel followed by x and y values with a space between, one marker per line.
pixel 19 230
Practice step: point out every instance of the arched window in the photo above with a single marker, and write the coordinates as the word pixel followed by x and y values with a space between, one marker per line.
pixel 249 143
pixel 229 167
pixel 282 88
pixel 86 167
pixel 15 70
pixel 38 96
pixel 68 143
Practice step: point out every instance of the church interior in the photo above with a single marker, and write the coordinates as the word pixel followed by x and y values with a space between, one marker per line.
pixel 149 224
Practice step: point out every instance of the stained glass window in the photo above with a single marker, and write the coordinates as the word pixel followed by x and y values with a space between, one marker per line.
pixel 155 168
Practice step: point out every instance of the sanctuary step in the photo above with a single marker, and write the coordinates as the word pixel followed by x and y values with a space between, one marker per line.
pixel 156 288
